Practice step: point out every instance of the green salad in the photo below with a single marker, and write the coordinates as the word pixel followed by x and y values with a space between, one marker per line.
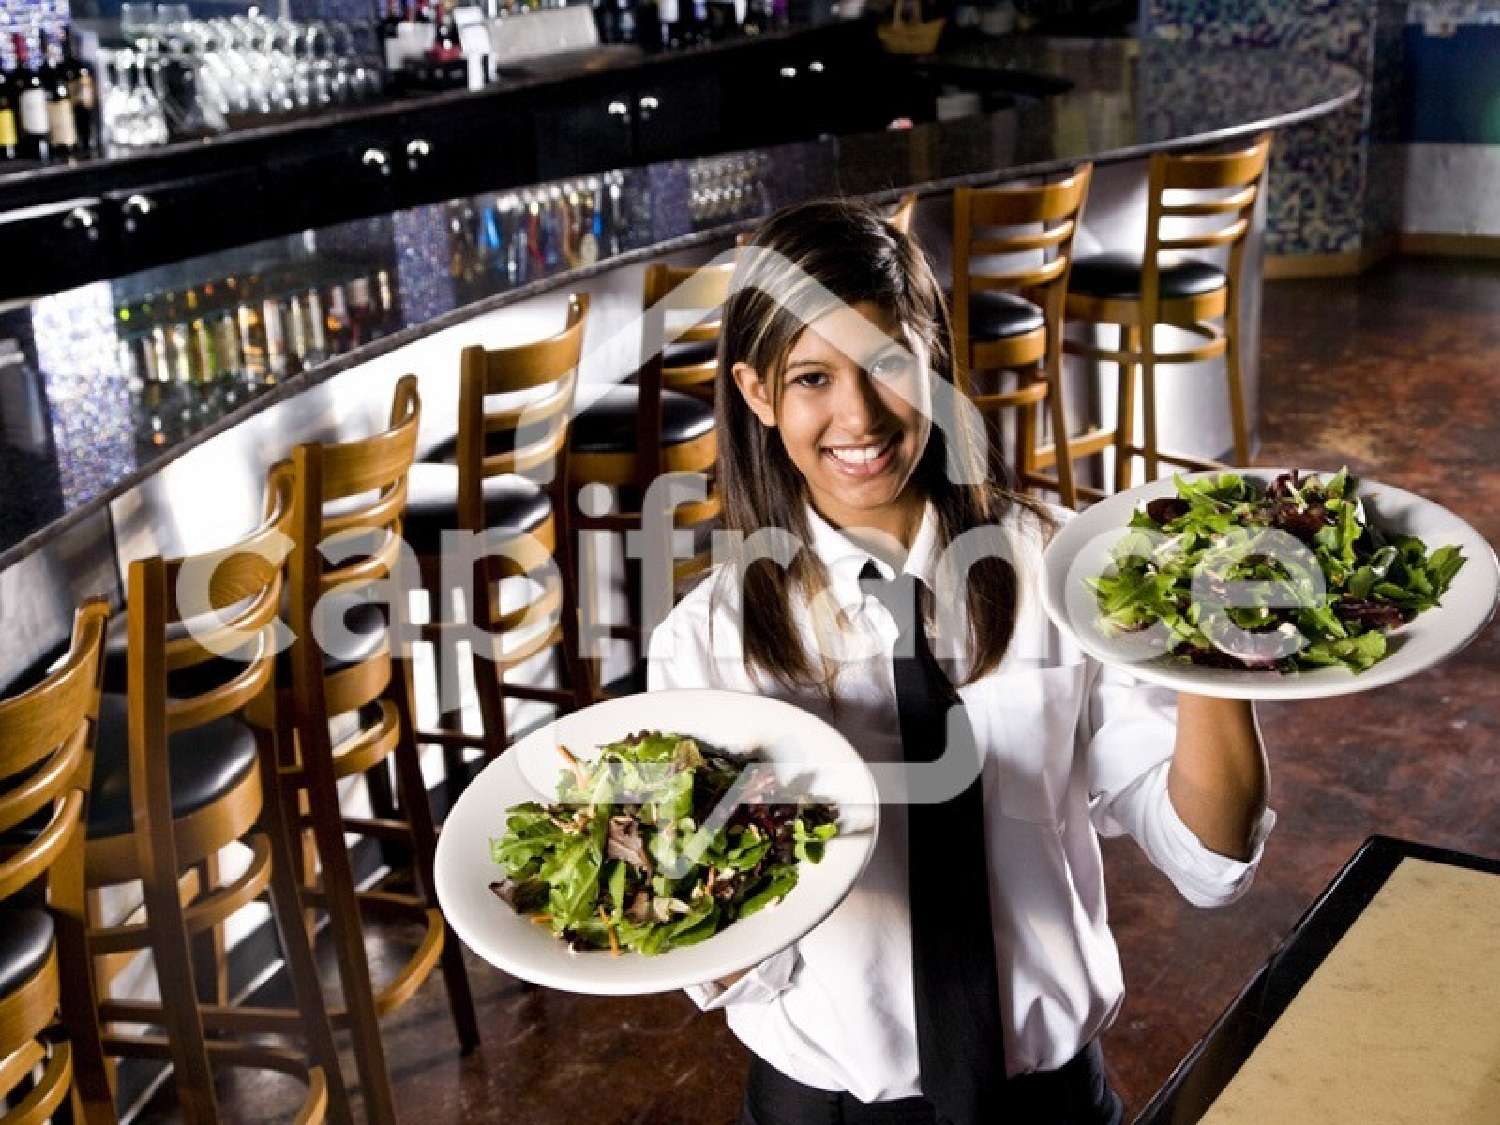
pixel 639 854
pixel 1210 534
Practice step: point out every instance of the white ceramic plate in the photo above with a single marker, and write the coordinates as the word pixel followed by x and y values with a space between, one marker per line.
pixel 1082 550
pixel 804 752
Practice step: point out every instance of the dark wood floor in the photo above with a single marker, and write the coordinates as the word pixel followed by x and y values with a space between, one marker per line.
pixel 1397 375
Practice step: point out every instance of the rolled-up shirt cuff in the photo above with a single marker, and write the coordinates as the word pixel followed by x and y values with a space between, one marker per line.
pixel 1202 876
pixel 761 984
pixel 1205 877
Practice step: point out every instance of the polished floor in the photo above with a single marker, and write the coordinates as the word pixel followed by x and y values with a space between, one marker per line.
pixel 1397 375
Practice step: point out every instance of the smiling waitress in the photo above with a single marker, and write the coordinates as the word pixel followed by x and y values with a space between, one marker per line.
pixel 969 973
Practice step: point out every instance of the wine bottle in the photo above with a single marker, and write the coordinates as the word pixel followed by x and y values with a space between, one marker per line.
pixel 10 141
pixel 62 127
pixel 31 104
pixel 84 93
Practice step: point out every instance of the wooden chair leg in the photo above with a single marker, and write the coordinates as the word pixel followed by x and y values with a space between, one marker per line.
pixel 1057 408
pixel 171 950
pixel 1148 399
pixel 489 687
pixel 286 913
pixel 383 805
pixel 635 599
pixel 418 810
pixel 294 811
pixel 1237 412
pixel 579 671
pixel 93 1094
pixel 348 938
pixel 1026 428
pixel 210 963
pixel 1125 422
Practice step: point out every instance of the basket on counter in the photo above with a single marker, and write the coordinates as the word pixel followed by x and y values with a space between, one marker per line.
pixel 913 36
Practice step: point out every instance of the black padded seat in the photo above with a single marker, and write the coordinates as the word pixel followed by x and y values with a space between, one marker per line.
pixel 689 353
pixel 24 679
pixel 1117 274
pixel 207 763
pixel 997 315
pixel 608 425
pixel 512 503
pixel 25 940
pixel 366 621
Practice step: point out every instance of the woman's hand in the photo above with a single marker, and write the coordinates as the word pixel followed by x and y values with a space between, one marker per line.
pixel 1218 778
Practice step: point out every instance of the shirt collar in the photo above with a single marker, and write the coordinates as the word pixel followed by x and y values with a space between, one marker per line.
pixel 844 558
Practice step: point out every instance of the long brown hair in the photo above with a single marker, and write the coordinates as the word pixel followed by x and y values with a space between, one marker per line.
pixel 826 253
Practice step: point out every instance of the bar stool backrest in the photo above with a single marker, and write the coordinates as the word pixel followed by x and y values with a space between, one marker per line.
pixel 523 438
pixel 229 614
pixel 1212 192
pixel 352 492
pixel 47 738
pixel 46 745
pixel 1036 224
pixel 234 597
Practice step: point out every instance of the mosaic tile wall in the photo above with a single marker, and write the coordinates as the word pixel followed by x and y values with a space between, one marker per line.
pixel 1330 192
pixel 28 17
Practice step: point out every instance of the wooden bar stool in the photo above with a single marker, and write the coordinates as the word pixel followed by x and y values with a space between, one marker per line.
pixel 177 779
pixel 508 486
pixel 1009 316
pixel 1209 199
pixel 901 214
pixel 625 437
pixel 46 763
pixel 347 713
pixel 688 361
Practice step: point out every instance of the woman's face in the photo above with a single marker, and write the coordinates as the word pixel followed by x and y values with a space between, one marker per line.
pixel 855 414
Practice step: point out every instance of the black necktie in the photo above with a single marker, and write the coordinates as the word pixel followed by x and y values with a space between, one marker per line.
pixel 960 1042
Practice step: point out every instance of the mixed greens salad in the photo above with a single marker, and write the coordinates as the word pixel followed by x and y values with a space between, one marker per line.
pixel 1211 534
pixel 639 854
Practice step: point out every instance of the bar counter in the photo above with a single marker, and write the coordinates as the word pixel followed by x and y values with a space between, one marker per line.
pixel 90 442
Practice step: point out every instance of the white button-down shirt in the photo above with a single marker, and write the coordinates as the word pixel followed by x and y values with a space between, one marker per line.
pixel 1071 750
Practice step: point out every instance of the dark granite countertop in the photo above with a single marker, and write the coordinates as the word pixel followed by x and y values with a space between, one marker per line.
pixel 83 417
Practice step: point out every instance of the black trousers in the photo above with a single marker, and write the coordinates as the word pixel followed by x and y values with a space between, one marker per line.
pixel 1077 1093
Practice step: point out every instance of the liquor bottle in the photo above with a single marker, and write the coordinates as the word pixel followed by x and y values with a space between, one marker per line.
pixel 252 331
pixel 385 296
pixel 84 93
pixel 317 336
pixel 627 21
pixel 202 349
pixel 278 361
pixel 31 104
pixel 10 139
pixel 606 19
pixel 390 35
pixel 337 320
pixel 446 47
pixel 647 26
pixel 227 345
pixel 62 126
pixel 362 321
